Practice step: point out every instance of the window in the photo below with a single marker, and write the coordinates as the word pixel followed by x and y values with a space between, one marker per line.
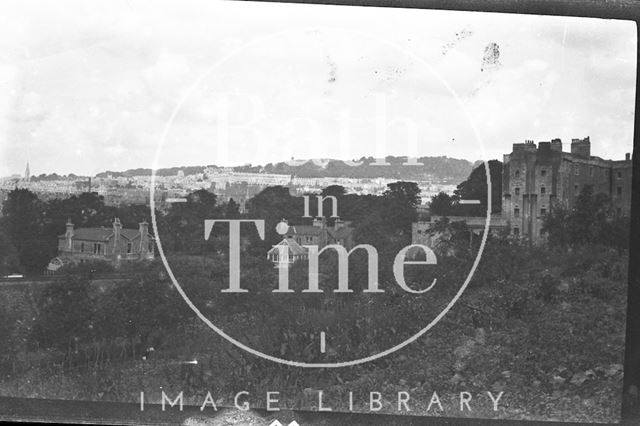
pixel 591 171
pixel 619 175
pixel 97 248
pixel 128 248
pixel 543 211
pixel 516 231
pixel 517 174
pixel 517 191
pixel 543 172
pixel 81 247
pixel 577 170
pixel 575 188
pixel 619 190
pixel 516 212
pixel 543 190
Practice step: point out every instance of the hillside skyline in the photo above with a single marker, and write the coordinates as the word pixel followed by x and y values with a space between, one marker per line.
pixel 304 168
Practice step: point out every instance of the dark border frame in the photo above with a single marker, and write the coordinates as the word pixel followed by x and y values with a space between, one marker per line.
pixel 88 412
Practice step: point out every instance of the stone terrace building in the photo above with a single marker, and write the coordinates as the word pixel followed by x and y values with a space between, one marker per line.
pixel 533 178
pixel 113 245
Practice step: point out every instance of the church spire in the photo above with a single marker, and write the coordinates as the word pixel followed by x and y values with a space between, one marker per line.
pixel 27 174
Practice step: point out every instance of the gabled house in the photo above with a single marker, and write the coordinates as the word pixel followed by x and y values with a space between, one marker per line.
pixel 113 245
pixel 295 237
pixel 319 234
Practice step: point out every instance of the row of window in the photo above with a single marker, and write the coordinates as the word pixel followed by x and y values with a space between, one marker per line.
pixel 98 248
pixel 543 190
pixel 516 231
pixel 543 173
pixel 516 211
pixel 576 169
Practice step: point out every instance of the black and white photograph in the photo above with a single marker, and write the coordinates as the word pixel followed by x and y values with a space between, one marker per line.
pixel 259 213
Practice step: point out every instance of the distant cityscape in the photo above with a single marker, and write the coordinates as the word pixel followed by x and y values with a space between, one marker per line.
pixel 237 183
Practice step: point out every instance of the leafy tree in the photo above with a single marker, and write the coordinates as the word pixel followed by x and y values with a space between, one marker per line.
pixel 405 194
pixel 273 204
pixel 84 210
pixel 592 221
pixel 35 254
pixel 184 226
pixel 23 221
pixel 23 216
pixel 399 208
pixel 232 210
pixel 589 214
pixel 555 225
pixel 475 188
pixel 9 261
pixel 443 204
pixel 335 190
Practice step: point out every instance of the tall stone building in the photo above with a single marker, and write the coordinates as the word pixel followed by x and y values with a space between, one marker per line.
pixel 533 178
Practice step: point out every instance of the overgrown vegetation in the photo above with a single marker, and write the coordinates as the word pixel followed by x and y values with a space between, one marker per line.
pixel 544 324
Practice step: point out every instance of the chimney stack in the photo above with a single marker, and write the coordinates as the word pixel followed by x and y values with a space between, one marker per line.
pixel 69 234
pixel 320 221
pixel 581 147
pixel 144 237
pixel 627 156
pixel 117 227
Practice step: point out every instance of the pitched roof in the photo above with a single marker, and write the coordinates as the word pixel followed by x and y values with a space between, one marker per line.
pixel 91 234
pixel 129 234
pixel 342 232
pixel 305 230
pixel 295 249
pixel 102 234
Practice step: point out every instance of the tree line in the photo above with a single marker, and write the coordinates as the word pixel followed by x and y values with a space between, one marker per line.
pixel 29 226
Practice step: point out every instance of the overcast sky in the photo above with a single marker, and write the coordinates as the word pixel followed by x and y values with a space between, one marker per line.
pixel 90 86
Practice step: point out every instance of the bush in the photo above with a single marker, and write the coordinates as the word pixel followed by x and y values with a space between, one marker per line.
pixel 65 312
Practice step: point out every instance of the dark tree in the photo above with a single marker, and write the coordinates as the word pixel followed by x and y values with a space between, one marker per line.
pixel 405 194
pixel 232 210
pixel 442 204
pixel 9 261
pixel 335 190
pixel 273 204
pixel 23 217
pixel 555 225
pixel 399 209
pixel 592 221
pixel 184 225
pixel 475 188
